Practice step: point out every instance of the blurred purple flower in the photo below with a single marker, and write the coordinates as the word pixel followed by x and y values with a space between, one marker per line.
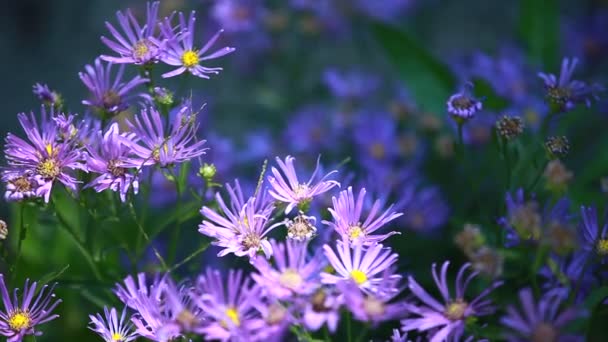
pixel 322 308
pixel 305 133
pixel 21 185
pixel 594 239
pixel 18 320
pixel 446 321
pixel 294 274
pixel 180 50
pixel 367 307
pixel 350 85
pixel 424 209
pixel 539 321
pixel 108 96
pixel 46 95
pixel 463 105
pixel 238 15
pixel 286 187
pixel 347 221
pixel 142 44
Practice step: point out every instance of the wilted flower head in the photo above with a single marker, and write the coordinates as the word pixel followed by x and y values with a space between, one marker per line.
pixel 109 96
pixel 111 328
pixel 557 176
pixel 46 157
pixel 446 320
pixel 108 157
pixel 323 307
pixel 18 320
pixel 140 44
pixel 557 146
pixel 294 272
pixel 47 96
pixel 228 305
pixel 347 220
pixel 301 228
pixel 510 127
pixel 539 321
pixel 470 239
pixel 462 105
pixel 366 266
pixel 487 261
pixel 564 94
pixel 287 188
pixel 157 144
pixel 180 50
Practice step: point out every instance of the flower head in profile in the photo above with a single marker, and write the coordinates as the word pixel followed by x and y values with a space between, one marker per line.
pixel 181 52
pixel 366 307
pixel 36 308
pixel 541 320
pixel 48 97
pixel 139 44
pixel 109 95
pixel 112 328
pixel 349 224
pixel 594 236
pixel 287 188
pixel 564 93
pixel 242 233
pixel 293 274
pixel 367 267
pixel 463 105
pixel 165 146
pixel 227 304
pixel 108 157
pixel 46 157
pixel 323 307
pixel 446 320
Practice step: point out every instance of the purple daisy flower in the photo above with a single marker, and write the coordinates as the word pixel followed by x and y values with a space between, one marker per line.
pixel 180 50
pixel 594 240
pixel 322 308
pixel 304 134
pixel 228 305
pixel 154 146
pixel 46 95
pixel 238 15
pixel 379 149
pixel 141 45
pixel 293 274
pixel 366 266
pixel 446 321
pixel 564 93
pixel 567 273
pixel 111 328
pixel 539 321
pixel 287 188
pixel 350 85
pixel 108 157
pixel 425 210
pixel 242 235
pixel 274 321
pixel 20 186
pixel 131 288
pixel 18 320
pixel 108 96
pixel 367 307
pixel 462 105
pixel 347 218
pixel 44 156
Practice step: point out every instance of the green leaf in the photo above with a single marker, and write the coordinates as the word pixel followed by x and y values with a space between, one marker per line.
pixel 539 30
pixel 49 277
pixel 182 179
pixel 429 81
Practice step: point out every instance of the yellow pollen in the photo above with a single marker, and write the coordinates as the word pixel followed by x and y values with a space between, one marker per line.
pixel 602 247
pixel 117 337
pixel 234 316
pixel 290 279
pixel 190 58
pixel 358 276
pixel 354 232
pixel 48 168
pixel 455 310
pixel 140 49
pixel 19 320
pixel 49 149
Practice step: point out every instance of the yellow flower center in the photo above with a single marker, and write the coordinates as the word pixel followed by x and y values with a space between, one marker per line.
pixel 544 332
pixel 22 184
pixel 190 58
pixel 291 279
pixel 117 337
pixel 233 315
pixel 48 168
pixel 355 231
pixel 455 310
pixel 19 320
pixel 378 151
pixel 602 247
pixel 140 49
pixel 358 276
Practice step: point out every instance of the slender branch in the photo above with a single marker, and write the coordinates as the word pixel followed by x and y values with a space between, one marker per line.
pixel 81 247
pixel 190 257
pixel 145 235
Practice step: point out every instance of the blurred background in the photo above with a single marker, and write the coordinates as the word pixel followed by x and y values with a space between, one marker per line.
pixel 361 82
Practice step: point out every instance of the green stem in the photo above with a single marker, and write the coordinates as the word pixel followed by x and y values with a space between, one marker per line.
pixel 348 327
pixel 81 247
pixel 142 231
pixel 177 230
pixel 507 156
pixel 190 257
pixel 22 236
pixel 460 139
pixel 539 175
